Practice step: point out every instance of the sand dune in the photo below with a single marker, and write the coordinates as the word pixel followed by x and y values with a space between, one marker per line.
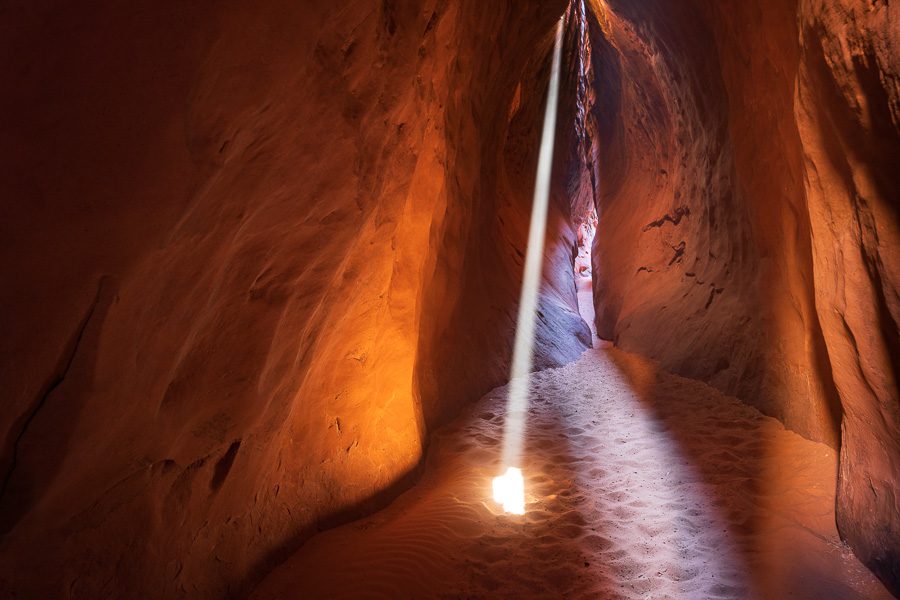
pixel 639 484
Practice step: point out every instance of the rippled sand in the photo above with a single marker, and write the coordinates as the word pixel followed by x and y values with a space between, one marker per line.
pixel 640 484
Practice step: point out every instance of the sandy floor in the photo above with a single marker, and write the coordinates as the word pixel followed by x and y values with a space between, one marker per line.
pixel 639 484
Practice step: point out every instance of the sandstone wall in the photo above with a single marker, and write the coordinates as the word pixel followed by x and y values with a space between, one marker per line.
pixel 748 219
pixel 253 253
pixel 847 104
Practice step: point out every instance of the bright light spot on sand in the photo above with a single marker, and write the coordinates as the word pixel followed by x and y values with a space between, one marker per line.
pixel 517 404
pixel 509 491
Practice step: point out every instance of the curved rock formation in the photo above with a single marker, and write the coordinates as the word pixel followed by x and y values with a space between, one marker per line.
pixel 258 252
pixel 748 219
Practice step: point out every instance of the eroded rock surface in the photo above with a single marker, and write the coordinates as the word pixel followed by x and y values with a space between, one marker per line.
pixel 253 253
pixel 748 228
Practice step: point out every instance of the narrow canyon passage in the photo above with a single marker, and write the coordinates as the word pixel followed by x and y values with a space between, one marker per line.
pixel 639 484
pixel 296 294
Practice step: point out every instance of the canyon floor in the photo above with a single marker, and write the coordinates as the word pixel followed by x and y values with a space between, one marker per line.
pixel 639 484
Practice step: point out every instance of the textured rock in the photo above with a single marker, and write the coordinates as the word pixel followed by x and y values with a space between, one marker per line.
pixel 848 112
pixel 256 252
pixel 748 219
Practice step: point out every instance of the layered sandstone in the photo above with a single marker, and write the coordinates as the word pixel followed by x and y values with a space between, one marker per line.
pixel 254 253
pixel 748 219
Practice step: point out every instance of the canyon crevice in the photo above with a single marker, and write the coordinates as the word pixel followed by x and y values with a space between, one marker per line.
pixel 256 253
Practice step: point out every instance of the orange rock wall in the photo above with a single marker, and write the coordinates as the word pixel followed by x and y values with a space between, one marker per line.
pixel 748 219
pixel 847 104
pixel 254 252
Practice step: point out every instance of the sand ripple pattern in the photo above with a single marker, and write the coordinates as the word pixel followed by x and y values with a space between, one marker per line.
pixel 639 485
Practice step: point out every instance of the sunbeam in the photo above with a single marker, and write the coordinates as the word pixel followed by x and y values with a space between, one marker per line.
pixel 508 488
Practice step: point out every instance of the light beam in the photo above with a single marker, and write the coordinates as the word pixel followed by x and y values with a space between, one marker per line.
pixel 509 491
pixel 510 485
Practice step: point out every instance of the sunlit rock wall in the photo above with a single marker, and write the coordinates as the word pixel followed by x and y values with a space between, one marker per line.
pixel 253 252
pixel 748 233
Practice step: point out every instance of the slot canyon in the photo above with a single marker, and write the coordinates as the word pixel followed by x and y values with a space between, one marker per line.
pixel 289 286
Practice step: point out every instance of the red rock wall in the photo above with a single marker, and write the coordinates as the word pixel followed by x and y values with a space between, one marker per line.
pixel 748 219
pixel 847 105
pixel 254 252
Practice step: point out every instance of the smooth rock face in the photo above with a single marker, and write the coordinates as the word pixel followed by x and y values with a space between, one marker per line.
pixel 253 254
pixel 748 211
